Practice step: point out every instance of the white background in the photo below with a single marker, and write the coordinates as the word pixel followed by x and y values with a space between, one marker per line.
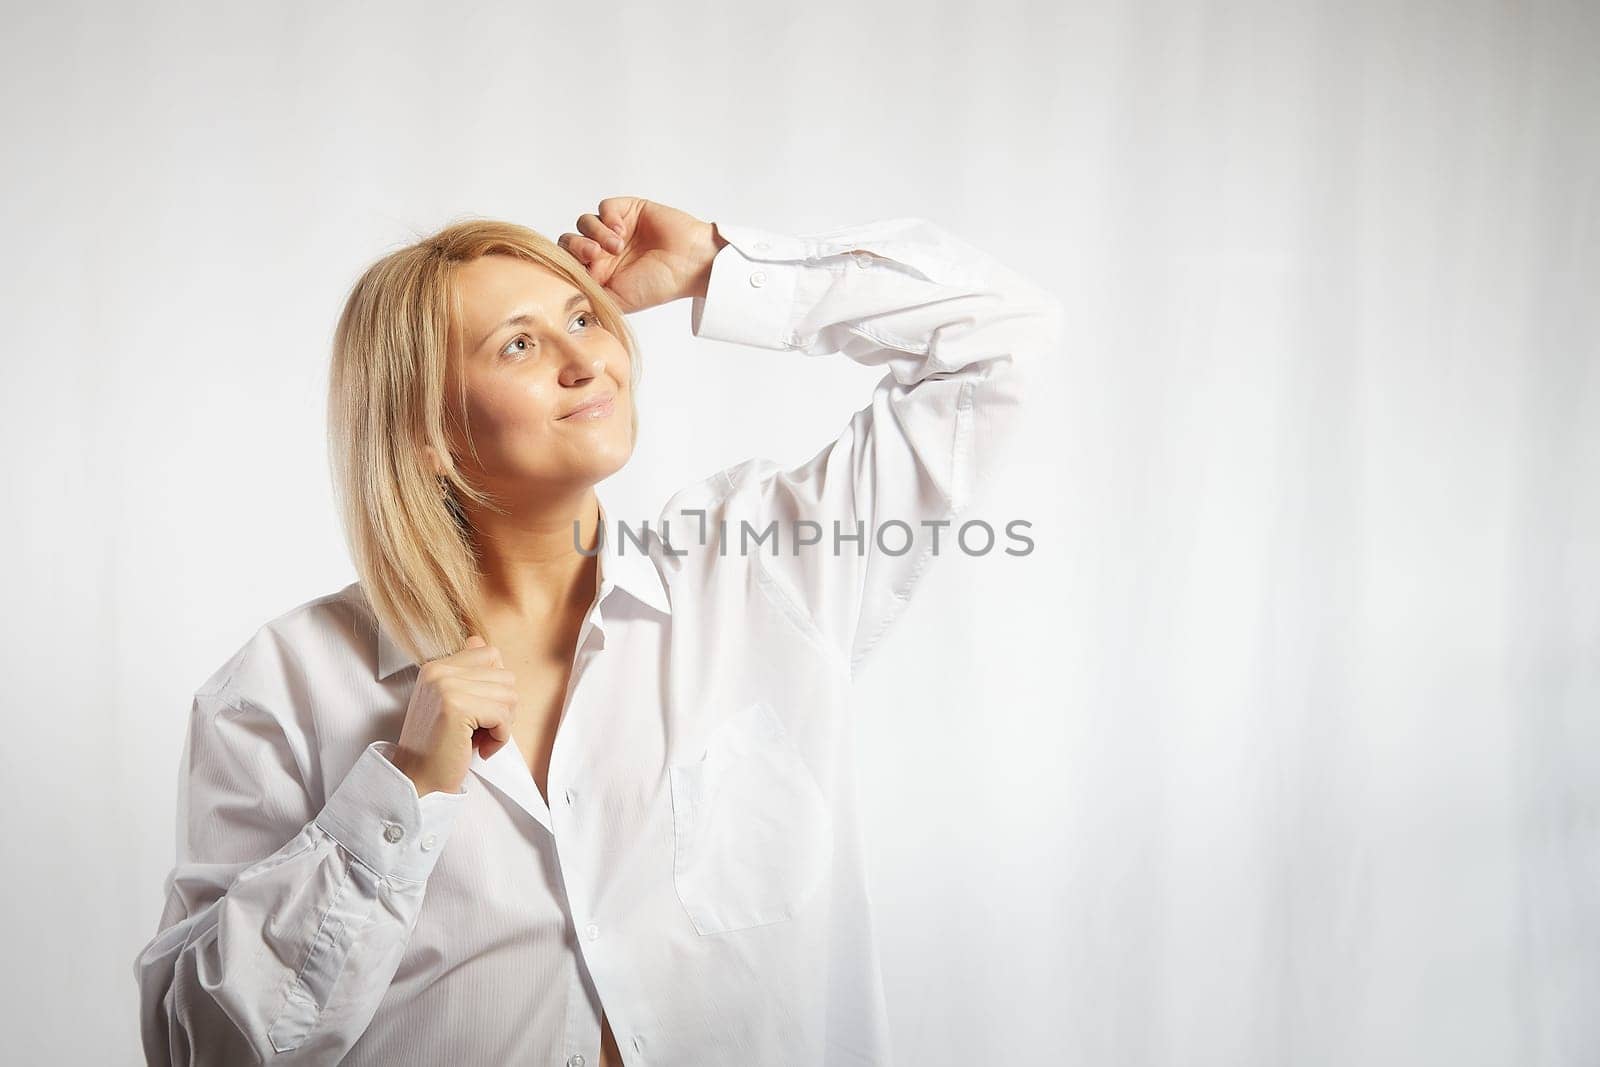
pixel 1283 746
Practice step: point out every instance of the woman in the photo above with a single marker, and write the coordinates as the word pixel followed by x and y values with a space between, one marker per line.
pixel 546 788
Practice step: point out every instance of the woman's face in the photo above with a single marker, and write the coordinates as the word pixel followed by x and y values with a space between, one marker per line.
pixel 531 351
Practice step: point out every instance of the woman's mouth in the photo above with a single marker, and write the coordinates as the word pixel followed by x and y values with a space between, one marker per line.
pixel 590 409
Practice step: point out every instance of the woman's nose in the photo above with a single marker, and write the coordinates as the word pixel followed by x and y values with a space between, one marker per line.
pixel 581 366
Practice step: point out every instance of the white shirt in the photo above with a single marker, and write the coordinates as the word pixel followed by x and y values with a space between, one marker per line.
pixel 699 874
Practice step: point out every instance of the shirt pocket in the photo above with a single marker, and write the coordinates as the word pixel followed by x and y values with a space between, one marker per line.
pixel 752 831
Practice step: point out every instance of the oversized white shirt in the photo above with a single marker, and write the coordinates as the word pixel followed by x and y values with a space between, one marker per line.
pixel 698 875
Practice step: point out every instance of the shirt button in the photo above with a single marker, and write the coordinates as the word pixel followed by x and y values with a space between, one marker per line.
pixel 568 796
pixel 392 833
pixel 863 260
pixel 795 340
pixel 758 279
pixel 428 842
pixel 762 246
pixel 575 1060
pixel 592 931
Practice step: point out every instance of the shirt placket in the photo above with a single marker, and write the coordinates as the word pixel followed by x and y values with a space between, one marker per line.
pixel 582 1044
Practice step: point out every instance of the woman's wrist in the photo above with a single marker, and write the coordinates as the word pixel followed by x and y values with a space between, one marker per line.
pixel 711 244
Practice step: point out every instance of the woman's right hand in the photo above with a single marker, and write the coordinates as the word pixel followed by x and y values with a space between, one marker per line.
pixel 460 701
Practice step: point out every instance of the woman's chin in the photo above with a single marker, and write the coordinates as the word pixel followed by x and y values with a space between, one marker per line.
pixel 606 459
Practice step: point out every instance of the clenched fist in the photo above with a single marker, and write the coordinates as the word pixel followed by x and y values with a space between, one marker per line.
pixel 461 701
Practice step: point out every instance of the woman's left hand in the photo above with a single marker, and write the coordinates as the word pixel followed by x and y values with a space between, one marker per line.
pixel 644 253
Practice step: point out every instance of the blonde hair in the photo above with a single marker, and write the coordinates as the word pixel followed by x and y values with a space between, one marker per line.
pixel 412 547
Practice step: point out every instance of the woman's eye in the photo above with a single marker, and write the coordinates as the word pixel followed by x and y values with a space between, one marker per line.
pixel 522 339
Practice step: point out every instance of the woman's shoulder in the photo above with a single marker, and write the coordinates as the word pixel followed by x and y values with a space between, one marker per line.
pixel 295 650
pixel 725 494
pixel 694 517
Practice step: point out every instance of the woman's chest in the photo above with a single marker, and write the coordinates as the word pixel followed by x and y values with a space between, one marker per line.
pixel 646 691
pixel 541 700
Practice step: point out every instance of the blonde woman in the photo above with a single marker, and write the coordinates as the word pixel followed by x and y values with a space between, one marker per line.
pixel 546 786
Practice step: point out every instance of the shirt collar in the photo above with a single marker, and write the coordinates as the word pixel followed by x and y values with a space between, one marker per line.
pixel 623 565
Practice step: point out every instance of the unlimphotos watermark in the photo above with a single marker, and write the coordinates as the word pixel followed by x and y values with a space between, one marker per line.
pixel 892 537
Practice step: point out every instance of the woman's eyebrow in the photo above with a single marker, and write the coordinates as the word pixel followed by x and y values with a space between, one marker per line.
pixel 525 319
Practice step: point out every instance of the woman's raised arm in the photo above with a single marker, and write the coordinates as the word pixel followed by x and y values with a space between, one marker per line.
pixel 954 330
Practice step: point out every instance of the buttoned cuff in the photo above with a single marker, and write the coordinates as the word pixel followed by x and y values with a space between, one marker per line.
pixel 377 815
pixel 750 298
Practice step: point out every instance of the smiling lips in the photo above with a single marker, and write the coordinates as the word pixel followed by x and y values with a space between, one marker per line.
pixel 598 408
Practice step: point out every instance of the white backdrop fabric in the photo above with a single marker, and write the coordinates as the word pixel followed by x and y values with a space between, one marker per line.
pixel 1281 747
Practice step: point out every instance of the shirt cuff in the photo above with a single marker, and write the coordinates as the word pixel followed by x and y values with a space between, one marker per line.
pixel 378 817
pixel 750 298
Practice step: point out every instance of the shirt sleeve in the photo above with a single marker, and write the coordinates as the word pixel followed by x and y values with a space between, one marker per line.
pixel 283 923
pixel 955 332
